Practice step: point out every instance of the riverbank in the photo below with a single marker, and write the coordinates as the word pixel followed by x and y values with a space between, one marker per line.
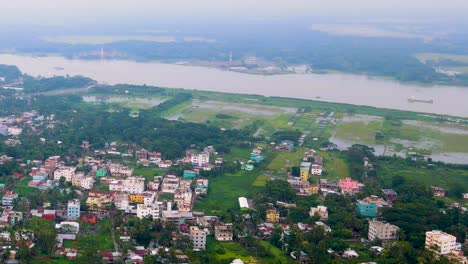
pixel 337 88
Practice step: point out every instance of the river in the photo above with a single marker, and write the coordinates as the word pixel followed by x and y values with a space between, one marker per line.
pixel 341 88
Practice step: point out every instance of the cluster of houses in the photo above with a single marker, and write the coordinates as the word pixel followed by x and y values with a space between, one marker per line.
pixel 255 157
pixel 12 126
pixel 169 197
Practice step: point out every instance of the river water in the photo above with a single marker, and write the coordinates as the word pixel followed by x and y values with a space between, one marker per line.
pixel 341 88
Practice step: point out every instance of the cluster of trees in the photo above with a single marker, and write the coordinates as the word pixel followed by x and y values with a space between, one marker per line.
pixel 77 122
pixel 9 72
pixel 34 85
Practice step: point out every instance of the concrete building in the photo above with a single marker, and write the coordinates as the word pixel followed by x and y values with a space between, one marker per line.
pixel 223 232
pixel 382 231
pixel 118 170
pixel 198 238
pixel 201 159
pixel 305 170
pixel 369 206
pixel 148 210
pixel 272 216
pixel 321 211
pixel 350 186
pixel 87 183
pixel 66 172
pixel 440 242
pixel 73 209
pixel 9 198
pixel 132 185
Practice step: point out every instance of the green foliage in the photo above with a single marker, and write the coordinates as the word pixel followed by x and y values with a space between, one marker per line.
pixel 34 85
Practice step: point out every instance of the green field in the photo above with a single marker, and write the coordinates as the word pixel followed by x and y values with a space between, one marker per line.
pixel 224 191
pixel 281 162
pixel 425 57
pixel 225 252
pixel 445 60
pixel 444 177
pixel 22 187
pixel 232 115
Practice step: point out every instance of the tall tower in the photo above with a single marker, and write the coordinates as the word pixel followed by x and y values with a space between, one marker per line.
pixel 230 57
pixel 102 54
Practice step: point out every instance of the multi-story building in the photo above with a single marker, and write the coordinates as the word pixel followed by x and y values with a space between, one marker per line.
pixel 118 170
pixel 201 186
pixel 316 169
pixel 382 231
pixel 145 198
pixel 51 163
pixel 440 242
pixel 223 232
pixel 272 216
pixel 305 170
pixel 321 211
pixel 154 157
pixel 148 210
pixel 170 183
pixel 350 186
pixel 201 159
pixel 369 206
pixel 122 201
pixel 98 199
pixel 66 172
pixel 73 209
pixel 198 238
pixel 131 185
pixel 87 183
pixel 9 198
pixel 141 154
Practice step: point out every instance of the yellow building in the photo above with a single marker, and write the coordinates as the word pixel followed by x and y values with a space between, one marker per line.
pixel 93 201
pixel 305 170
pixel 137 198
pixel 313 189
pixel 272 216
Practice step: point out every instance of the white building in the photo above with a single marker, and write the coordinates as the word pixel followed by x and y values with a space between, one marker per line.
pixel 148 210
pixel 201 159
pixel 122 201
pixel 87 183
pixel 382 231
pixel 132 185
pixel 316 169
pixel 15 131
pixel 118 170
pixel 64 171
pixel 243 204
pixel 198 238
pixel 321 211
pixel 441 242
pixel 170 184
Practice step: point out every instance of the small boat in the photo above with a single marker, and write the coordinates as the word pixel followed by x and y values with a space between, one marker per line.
pixel 412 99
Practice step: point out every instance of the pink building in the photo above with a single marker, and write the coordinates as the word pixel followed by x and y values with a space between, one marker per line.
pixel 350 186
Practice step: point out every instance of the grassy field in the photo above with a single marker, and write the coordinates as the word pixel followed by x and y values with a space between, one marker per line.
pixel 48 260
pixel 444 177
pixel 224 191
pixel 228 251
pixel 281 162
pixel 441 57
pixel 425 57
pixel 403 136
pixel 22 187
pixel 232 115
pixel 335 165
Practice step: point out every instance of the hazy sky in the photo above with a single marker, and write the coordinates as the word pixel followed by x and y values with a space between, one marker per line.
pixel 92 11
